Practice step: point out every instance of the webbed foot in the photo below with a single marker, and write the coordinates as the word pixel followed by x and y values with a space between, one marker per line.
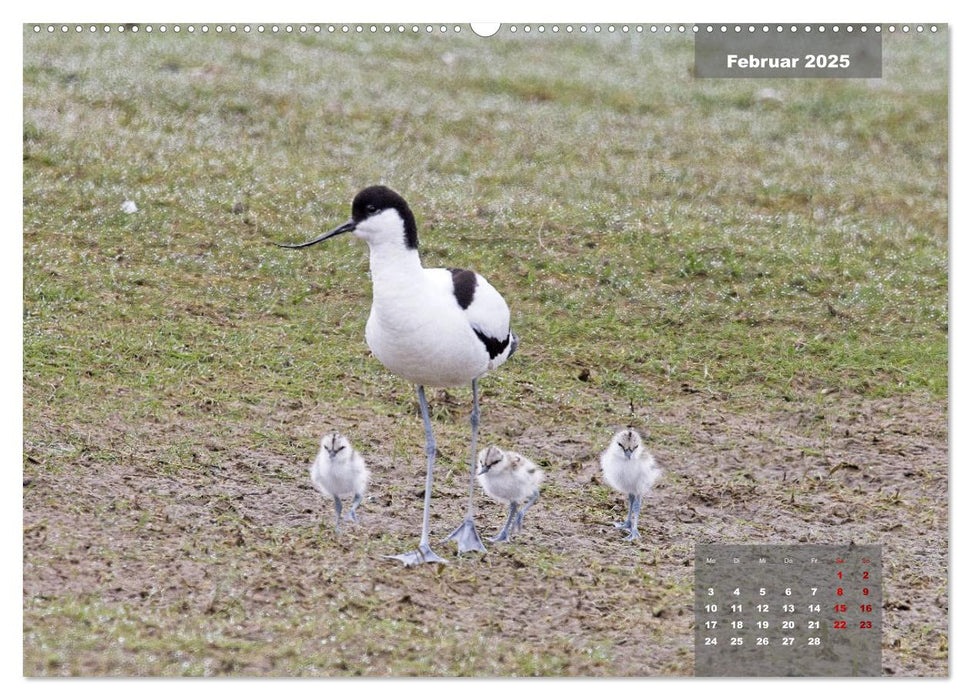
pixel 467 538
pixel 501 537
pixel 423 555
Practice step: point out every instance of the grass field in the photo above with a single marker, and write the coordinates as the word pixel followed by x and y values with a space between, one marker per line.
pixel 759 266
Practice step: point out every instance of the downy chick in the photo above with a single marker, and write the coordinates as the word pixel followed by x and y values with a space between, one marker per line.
pixel 509 478
pixel 339 472
pixel 631 469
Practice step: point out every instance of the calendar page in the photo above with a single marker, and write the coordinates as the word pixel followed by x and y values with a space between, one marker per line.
pixel 385 348
pixel 788 610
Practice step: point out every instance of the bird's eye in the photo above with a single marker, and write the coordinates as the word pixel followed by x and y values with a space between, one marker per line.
pixel 370 208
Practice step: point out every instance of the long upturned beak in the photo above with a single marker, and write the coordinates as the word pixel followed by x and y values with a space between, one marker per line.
pixel 343 228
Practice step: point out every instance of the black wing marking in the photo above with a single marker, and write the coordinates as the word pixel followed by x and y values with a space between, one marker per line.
pixel 493 347
pixel 463 286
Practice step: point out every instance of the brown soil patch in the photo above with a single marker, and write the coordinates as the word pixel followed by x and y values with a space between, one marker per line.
pixel 244 531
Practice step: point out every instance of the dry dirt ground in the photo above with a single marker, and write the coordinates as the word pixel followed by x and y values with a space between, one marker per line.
pixel 205 576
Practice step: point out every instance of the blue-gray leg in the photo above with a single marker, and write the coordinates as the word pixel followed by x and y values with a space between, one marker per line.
pixel 522 511
pixel 352 515
pixel 424 554
pixel 630 509
pixel 506 531
pixel 337 510
pixel 634 517
pixel 465 534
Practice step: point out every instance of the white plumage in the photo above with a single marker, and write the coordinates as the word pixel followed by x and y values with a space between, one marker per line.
pixel 512 479
pixel 339 471
pixel 424 336
pixel 631 469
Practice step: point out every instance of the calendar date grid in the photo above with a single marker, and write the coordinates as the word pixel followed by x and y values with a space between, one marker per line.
pixel 781 616
pixel 787 610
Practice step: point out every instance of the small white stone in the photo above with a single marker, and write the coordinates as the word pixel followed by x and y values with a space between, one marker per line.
pixel 129 207
pixel 768 96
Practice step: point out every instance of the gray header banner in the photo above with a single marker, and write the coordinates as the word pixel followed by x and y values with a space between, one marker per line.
pixel 843 51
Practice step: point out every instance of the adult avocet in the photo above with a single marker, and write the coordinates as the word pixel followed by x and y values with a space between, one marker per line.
pixel 438 327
